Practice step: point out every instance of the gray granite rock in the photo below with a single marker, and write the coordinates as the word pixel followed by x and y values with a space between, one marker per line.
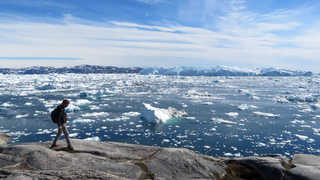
pixel 111 160
pixel 104 160
pixel 4 139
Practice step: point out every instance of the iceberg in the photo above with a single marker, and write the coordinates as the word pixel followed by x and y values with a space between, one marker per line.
pixel 96 139
pixel 269 115
pixel 222 71
pixel 159 115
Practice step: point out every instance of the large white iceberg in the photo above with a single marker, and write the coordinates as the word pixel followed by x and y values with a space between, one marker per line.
pixel 159 115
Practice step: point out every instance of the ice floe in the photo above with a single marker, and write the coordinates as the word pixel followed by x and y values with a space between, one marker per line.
pixel 222 121
pixel 269 115
pixel 131 114
pixel 160 115
pixel 95 114
pixel 81 102
pixel 96 138
pixel 72 108
pixel 232 114
pixel 243 107
pixel 6 104
pixel 73 135
pixel 301 137
pixel 46 87
pixel 83 121
pixel 22 116
pixel 303 98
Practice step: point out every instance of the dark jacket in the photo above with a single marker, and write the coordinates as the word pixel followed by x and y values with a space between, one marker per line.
pixel 62 115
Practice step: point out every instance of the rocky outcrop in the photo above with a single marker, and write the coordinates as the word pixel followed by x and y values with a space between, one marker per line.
pixel 4 139
pixel 111 160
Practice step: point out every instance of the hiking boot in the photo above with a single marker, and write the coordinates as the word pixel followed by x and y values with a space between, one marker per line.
pixel 70 148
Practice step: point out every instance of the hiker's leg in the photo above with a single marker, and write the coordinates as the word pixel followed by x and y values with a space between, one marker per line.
pixel 66 134
pixel 58 135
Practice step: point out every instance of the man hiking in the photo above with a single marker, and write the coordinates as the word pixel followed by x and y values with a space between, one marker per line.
pixel 59 116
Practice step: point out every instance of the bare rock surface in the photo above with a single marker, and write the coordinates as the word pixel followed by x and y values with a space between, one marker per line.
pixel 111 160
pixel 4 139
pixel 104 160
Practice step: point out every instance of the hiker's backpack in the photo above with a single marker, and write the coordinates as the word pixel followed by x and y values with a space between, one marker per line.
pixel 55 115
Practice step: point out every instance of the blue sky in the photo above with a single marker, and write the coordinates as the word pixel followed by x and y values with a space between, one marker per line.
pixel 244 33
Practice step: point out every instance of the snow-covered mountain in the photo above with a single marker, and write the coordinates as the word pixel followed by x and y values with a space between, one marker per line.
pixel 182 71
pixel 82 69
pixel 223 71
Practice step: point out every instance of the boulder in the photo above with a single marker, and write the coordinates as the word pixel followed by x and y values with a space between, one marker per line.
pixel 4 139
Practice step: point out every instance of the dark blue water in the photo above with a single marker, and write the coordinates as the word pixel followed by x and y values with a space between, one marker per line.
pixel 220 116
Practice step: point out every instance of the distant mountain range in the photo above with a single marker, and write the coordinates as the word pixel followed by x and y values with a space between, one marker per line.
pixel 182 71
pixel 82 69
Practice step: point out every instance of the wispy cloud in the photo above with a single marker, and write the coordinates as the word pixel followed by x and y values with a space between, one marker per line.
pixel 40 58
pixel 240 37
pixel 151 1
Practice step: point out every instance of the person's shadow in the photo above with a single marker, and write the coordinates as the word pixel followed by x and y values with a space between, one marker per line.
pixel 66 149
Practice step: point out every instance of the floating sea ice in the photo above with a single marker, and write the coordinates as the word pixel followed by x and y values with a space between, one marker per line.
pixel 131 114
pixel 219 120
pixel 45 131
pixel 270 115
pixel 73 134
pixel 165 141
pixel 301 137
pixel 305 126
pixel 159 115
pixel 218 81
pixel 95 114
pixel 96 139
pixel 244 91
pixel 18 133
pixel 94 107
pixel 22 116
pixel 28 103
pixel 228 154
pixel 46 87
pixel 306 110
pixel 72 108
pixel 233 114
pixel 184 105
pixel 316 131
pixel 237 154
pixel 81 102
pixel 234 148
pixel 298 121
pixel 315 106
pixel 83 121
pixel 7 104
pixel 310 140
pixel 316 117
pixel 281 100
pixel 195 94
pixel 302 98
pixel 243 107
pixel 260 144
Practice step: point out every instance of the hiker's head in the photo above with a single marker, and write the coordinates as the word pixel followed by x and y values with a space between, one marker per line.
pixel 65 103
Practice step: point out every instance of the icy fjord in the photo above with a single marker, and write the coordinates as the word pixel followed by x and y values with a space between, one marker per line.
pixel 214 115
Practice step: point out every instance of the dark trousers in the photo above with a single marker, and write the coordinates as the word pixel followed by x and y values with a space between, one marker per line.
pixel 62 128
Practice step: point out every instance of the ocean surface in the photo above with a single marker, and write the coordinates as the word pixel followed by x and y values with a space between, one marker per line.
pixel 219 116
